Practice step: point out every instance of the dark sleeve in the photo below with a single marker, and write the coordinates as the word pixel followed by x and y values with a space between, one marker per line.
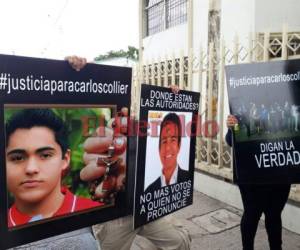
pixel 128 198
pixel 228 137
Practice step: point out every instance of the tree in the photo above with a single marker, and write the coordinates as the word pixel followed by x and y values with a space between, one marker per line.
pixel 131 53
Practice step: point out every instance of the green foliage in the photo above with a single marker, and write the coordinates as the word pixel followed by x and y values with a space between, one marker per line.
pixel 131 53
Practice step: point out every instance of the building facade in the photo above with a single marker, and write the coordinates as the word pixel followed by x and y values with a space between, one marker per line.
pixel 169 26
pixel 188 42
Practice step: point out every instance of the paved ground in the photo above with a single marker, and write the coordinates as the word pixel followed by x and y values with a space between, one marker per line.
pixel 214 225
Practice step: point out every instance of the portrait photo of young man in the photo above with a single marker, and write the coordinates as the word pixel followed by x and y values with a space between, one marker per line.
pixel 37 159
pixel 169 148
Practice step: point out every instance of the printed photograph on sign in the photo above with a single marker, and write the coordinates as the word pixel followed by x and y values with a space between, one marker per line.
pixel 64 162
pixel 264 97
pixel 50 153
pixel 166 152
pixel 265 120
pixel 167 149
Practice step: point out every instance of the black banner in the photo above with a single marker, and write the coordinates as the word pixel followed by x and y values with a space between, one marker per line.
pixel 166 152
pixel 60 151
pixel 265 99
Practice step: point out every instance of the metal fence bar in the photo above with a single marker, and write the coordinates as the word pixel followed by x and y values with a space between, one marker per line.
pixel 200 80
pixel 236 50
pixel 181 70
pixel 152 72
pixel 173 70
pixel 284 48
pixel 210 97
pixel 250 48
pixel 159 73
pixel 221 103
pixel 147 73
pixel 266 46
pixel 166 72
pixel 190 70
pixel 261 47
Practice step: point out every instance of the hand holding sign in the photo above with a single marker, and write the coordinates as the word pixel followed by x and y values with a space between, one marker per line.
pixel 76 62
pixel 231 121
pixel 175 89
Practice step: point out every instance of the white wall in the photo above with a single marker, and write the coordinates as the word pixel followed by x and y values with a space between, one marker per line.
pixel 200 37
pixel 120 61
pixel 271 14
pixel 176 38
pixel 165 43
pixel 237 18
pixel 245 16
pixel 200 24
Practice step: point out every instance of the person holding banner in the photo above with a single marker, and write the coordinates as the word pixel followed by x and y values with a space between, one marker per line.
pixel 269 199
pixel 37 158
pixel 119 234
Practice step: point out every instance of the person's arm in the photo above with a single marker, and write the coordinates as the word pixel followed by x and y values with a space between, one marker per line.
pixel 228 137
pixel 230 122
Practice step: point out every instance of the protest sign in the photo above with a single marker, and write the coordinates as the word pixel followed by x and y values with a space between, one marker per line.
pixel 265 99
pixel 166 152
pixel 59 151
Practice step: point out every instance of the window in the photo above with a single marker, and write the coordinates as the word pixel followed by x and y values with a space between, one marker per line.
pixel 163 14
pixel 176 12
pixel 155 16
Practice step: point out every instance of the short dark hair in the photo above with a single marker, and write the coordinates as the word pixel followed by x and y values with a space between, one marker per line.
pixel 171 118
pixel 29 118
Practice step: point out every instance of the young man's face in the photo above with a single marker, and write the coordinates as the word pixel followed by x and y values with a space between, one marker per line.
pixel 34 164
pixel 169 146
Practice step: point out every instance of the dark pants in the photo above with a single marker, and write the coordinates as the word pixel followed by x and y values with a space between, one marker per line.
pixel 267 199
